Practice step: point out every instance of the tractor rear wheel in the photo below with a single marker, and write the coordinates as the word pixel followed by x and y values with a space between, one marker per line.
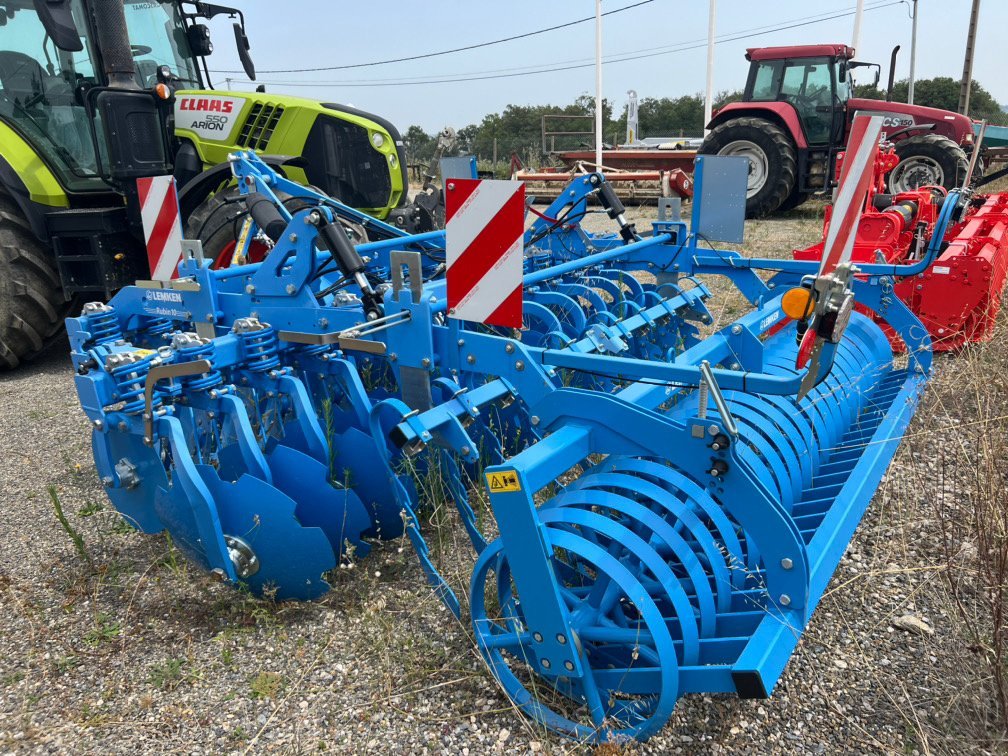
pixel 928 160
pixel 32 306
pixel 795 199
pixel 773 163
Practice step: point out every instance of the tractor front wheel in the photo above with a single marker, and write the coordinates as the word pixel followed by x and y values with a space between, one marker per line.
pixel 217 223
pixel 32 306
pixel 773 164
pixel 928 160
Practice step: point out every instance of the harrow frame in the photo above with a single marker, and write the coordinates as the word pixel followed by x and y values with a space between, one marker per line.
pixel 712 507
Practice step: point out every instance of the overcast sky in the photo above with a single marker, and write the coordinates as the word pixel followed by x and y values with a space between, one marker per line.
pixel 319 33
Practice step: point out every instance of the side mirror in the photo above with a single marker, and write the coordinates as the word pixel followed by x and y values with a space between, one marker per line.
pixel 242 42
pixel 199 40
pixel 57 19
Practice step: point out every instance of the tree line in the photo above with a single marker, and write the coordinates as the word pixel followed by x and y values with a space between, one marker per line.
pixel 518 128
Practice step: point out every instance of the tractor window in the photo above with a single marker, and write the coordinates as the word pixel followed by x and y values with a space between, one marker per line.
pixel 808 86
pixel 809 79
pixel 39 87
pixel 158 38
pixel 766 81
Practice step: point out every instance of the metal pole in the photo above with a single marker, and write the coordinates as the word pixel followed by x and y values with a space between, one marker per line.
pixel 711 29
pixel 858 14
pixel 913 55
pixel 967 77
pixel 598 85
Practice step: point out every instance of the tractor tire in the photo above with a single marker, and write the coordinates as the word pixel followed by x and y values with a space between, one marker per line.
pixel 32 305
pixel 773 163
pixel 928 160
pixel 216 222
pixel 795 199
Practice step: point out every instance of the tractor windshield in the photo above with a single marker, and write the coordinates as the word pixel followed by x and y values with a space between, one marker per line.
pixel 40 88
pixel 158 38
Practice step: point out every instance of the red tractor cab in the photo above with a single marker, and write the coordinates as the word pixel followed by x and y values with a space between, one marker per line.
pixel 796 115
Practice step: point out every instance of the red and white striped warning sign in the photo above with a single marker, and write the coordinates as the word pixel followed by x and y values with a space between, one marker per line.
pixel 159 208
pixel 484 229
pixel 855 178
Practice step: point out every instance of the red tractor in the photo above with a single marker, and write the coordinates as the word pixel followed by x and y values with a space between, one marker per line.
pixel 796 114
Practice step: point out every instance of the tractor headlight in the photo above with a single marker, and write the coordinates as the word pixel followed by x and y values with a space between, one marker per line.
pixel 377 140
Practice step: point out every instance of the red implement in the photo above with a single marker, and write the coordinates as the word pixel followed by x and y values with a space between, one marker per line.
pixel 959 295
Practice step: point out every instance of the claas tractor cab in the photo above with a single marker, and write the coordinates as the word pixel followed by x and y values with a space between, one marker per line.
pixel 796 114
pixel 95 94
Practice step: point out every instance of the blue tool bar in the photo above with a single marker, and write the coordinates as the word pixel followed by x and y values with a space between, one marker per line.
pixel 588 261
pixel 599 257
pixel 321 257
pixel 627 368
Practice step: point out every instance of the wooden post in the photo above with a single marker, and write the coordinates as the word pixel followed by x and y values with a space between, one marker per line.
pixel 967 77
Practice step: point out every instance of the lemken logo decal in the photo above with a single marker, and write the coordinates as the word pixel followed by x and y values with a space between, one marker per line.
pixel 768 321
pixel 161 295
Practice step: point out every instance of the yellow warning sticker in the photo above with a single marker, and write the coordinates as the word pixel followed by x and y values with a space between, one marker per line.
pixel 503 482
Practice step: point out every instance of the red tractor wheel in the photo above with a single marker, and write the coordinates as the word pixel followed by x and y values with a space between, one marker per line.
pixel 773 165
pixel 928 160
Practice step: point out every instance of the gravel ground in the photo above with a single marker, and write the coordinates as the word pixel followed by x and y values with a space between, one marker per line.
pixel 133 651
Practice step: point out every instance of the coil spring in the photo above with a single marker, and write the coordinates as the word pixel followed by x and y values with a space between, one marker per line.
pixel 129 371
pixel 189 347
pixel 103 325
pixel 157 326
pixel 260 344
pixel 313 350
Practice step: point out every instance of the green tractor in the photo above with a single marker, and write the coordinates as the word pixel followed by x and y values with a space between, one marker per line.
pixel 95 94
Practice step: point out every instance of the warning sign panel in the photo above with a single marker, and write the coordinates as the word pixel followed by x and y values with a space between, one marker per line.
pixel 503 482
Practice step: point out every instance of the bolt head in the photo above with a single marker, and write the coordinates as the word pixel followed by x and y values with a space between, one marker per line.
pixel 425 362
pixel 561 639
pixel 461 342
pixel 785 600
pixel 714 430
pixel 569 666
pixel 535 420
pixel 292 238
pixel 786 563
pixel 509 348
pixel 546 663
pixel 250 289
pixel 736 329
pixel 471 359
pixel 519 365
pixel 537 637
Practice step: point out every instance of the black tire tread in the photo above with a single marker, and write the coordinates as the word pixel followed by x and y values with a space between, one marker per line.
pixel 769 200
pixel 32 306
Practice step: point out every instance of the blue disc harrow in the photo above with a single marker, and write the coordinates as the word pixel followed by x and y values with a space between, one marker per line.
pixel 669 507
